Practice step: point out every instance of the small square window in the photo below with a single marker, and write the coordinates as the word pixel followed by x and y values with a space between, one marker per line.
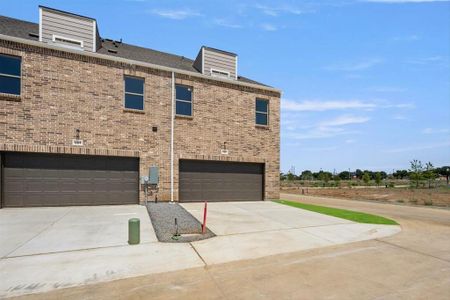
pixel 134 93
pixel 183 105
pixel 10 74
pixel 262 112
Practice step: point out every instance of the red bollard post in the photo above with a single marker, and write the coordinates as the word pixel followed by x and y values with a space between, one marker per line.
pixel 205 211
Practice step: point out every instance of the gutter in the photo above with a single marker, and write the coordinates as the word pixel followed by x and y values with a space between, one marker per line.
pixel 134 62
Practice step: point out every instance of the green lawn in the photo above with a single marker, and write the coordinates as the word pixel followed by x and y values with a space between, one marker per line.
pixel 341 213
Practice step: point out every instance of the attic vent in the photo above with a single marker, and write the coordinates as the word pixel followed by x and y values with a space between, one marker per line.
pixel 218 73
pixel 67 42
pixel 112 51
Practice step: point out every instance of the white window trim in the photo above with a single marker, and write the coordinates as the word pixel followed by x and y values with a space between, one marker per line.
pixel 212 70
pixel 55 37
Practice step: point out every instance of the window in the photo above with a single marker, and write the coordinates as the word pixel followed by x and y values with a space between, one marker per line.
pixel 10 74
pixel 262 111
pixel 134 93
pixel 183 100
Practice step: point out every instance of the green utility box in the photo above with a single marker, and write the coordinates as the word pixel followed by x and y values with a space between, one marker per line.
pixel 134 231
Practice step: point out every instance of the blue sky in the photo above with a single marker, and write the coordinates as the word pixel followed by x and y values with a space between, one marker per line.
pixel 366 84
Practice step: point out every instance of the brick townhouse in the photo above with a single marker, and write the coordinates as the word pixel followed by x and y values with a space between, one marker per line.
pixel 84 118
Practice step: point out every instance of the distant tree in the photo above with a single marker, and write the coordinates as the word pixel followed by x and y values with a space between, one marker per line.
pixel 378 178
pixel 366 177
pixel 337 180
pixel 384 175
pixel 344 175
pixel 283 176
pixel 416 172
pixel 290 176
pixel 307 175
pixel 359 174
pixel 400 174
pixel 324 176
pixel 444 171
pixel 429 173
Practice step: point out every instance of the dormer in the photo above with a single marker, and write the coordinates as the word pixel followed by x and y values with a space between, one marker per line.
pixel 216 63
pixel 68 30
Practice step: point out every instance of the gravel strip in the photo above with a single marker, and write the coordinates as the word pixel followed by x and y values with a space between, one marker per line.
pixel 163 216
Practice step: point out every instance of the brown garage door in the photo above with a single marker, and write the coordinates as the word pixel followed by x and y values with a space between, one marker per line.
pixel 31 179
pixel 220 181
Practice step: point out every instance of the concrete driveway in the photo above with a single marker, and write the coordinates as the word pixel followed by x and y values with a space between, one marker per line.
pixel 414 264
pixel 248 230
pixel 49 248
pixel 31 231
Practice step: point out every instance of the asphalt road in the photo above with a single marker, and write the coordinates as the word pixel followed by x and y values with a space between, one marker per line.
pixel 414 264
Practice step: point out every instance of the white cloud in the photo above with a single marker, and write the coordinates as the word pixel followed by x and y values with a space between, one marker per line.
pixel 418 148
pixel 289 105
pixel 435 130
pixel 344 120
pixel 350 141
pixel 354 66
pixel 178 14
pixel 226 23
pixel 430 60
pixel 275 11
pixel 268 27
pixel 325 129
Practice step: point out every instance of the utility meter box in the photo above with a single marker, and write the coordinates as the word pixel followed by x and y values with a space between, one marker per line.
pixel 153 175
pixel 144 179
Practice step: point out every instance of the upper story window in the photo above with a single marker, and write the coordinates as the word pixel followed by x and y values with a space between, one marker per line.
pixel 134 93
pixel 10 70
pixel 262 111
pixel 183 100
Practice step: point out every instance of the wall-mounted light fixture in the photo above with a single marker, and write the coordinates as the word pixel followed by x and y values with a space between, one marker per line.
pixel 224 150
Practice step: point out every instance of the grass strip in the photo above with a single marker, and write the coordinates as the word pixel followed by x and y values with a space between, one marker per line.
pixel 354 216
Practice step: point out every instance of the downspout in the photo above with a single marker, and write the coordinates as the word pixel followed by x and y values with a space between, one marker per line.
pixel 172 128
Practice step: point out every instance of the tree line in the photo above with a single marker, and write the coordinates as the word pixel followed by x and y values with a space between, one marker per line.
pixel 417 173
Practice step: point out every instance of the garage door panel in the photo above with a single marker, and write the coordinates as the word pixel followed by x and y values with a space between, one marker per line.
pixel 220 181
pixel 32 179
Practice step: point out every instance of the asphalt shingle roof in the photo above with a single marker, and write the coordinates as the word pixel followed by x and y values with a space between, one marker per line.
pixel 28 30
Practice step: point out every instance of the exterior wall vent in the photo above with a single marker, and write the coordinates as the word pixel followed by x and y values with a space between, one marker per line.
pixel 217 63
pixel 68 30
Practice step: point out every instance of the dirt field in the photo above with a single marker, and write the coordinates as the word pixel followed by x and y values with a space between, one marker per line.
pixel 435 197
